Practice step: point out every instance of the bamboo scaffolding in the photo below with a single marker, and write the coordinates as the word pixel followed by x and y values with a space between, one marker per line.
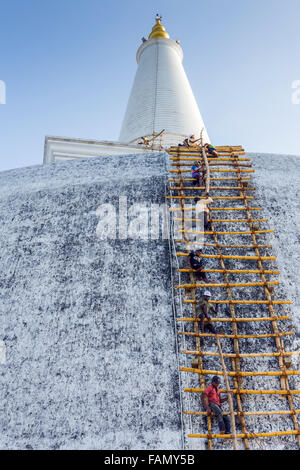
pixel 202 380
pixel 236 373
pixel 236 365
pixel 278 341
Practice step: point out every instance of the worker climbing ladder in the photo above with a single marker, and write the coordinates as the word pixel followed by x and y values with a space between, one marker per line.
pixel 227 183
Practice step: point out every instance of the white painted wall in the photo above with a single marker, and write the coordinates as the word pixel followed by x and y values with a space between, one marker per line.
pixel 59 149
pixel 161 96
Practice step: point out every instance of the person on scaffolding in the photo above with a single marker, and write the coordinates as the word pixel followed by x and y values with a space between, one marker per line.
pixel 210 149
pixel 202 313
pixel 211 400
pixel 196 263
pixel 189 142
pixel 202 208
pixel 145 142
pixel 196 171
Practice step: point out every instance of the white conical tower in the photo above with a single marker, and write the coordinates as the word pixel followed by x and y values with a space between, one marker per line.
pixel 161 96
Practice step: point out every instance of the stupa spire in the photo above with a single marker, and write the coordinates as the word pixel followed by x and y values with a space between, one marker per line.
pixel 158 30
pixel 161 97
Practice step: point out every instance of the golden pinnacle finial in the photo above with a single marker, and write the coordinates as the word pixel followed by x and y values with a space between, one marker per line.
pixel 158 31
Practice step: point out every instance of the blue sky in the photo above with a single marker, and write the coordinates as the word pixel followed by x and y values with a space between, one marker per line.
pixel 69 65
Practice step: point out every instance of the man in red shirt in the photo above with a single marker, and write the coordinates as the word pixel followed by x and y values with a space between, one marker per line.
pixel 211 399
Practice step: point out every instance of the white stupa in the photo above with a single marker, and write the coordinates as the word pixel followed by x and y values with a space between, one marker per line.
pixel 161 96
pixel 161 99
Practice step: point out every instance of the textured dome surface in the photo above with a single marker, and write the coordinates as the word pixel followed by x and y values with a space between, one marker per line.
pixel 87 323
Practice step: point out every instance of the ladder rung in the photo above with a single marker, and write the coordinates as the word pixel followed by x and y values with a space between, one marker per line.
pixel 223 246
pixel 222 220
pixel 233 257
pixel 263 302
pixel 248 434
pixel 239 373
pixel 245 413
pixel 217 209
pixel 232 271
pixel 213 197
pixel 232 284
pixel 215 170
pixel 248 392
pixel 225 233
pixel 211 335
pixel 212 188
pixel 202 353
pixel 217 320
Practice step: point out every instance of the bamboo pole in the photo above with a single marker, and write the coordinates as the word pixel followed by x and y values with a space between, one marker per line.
pixel 285 317
pixel 214 162
pixel 231 284
pixel 224 220
pixel 235 336
pixel 218 208
pixel 232 271
pixel 213 188
pixel 199 232
pixel 215 170
pixel 248 434
pixel 266 258
pixel 223 245
pixel 242 374
pixel 266 302
pixel 253 355
pixel 219 159
pixel 246 413
pixel 249 392
pixel 225 374
pixel 213 197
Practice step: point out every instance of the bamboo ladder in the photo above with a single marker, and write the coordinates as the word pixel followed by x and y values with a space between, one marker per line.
pixel 281 354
